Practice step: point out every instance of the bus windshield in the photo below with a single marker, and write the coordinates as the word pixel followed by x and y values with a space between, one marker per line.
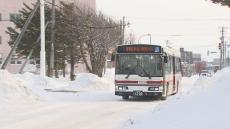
pixel 144 65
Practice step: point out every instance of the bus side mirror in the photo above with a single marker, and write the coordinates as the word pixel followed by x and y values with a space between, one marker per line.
pixel 165 59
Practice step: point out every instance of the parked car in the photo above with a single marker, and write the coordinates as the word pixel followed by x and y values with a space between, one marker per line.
pixel 206 73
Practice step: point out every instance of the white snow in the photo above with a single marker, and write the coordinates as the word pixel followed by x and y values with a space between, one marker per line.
pixel 13 90
pixel 203 104
pixel 29 101
pixel 89 102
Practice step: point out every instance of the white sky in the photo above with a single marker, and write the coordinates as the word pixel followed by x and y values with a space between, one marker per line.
pixel 197 22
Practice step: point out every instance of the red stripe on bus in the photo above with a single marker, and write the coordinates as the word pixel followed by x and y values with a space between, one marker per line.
pixel 147 82
pixel 154 82
pixel 135 82
pixel 126 81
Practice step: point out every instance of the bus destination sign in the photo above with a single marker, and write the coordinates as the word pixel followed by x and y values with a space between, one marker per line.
pixel 139 49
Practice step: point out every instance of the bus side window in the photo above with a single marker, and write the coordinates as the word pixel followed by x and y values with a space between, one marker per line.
pixel 171 64
pixel 179 63
pixel 168 65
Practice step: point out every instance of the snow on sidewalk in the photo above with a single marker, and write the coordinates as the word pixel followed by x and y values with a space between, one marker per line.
pixel 12 90
pixel 31 87
pixel 207 108
pixel 95 104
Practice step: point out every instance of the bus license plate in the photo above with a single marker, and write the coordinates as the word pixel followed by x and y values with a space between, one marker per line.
pixel 137 93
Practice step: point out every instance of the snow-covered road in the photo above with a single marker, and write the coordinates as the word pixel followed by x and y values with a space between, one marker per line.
pixel 85 113
pixel 24 104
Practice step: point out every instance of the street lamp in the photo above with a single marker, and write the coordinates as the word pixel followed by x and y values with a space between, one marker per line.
pixel 150 38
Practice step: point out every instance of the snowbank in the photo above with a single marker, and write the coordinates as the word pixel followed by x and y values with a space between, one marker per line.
pixel 86 81
pixel 89 82
pixel 206 109
pixel 30 86
pixel 12 90
pixel 195 84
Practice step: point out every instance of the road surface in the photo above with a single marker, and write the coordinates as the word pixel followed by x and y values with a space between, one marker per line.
pixel 101 110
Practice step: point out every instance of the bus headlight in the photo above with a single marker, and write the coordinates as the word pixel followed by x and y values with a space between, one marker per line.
pixel 156 89
pixel 151 88
pixel 120 88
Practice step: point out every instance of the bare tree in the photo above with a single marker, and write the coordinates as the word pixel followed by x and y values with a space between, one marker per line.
pixel 103 34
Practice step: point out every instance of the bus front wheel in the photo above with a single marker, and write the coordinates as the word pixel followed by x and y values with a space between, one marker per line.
pixel 164 97
pixel 125 97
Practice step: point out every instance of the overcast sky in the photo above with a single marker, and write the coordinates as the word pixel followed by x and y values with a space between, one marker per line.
pixel 192 24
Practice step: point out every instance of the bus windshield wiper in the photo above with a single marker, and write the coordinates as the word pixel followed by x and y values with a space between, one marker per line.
pixel 127 76
pixel 140 71
pixel 131 70
pixel 144 72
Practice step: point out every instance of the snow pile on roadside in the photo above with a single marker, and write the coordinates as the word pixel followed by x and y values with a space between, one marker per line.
pixel 83 82
pixel 188 84
pixel 38 81
pixel 38 84
pixel 110 75
pixel 13 90
pixel 28 86
pixel 90 82
pixel 195 84
pixel 87 82
pixel 207 109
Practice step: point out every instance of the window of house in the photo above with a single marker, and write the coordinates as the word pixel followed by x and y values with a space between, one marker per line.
pixel 14 17
pixel 19 62
pixel 13 61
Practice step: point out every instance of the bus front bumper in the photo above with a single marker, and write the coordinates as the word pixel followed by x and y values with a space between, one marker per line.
pixel 144 94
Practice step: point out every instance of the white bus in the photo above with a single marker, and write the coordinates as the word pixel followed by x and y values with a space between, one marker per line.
pixel 146 71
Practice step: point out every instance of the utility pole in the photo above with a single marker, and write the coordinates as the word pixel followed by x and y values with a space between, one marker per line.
pixel 225 54
pixel 221 56
pixel 18 39
pixel 123 30
pixel 123 25
pixel 222 44
pixel 228 46
pixel 31 51
pixel 150 36
pixel 228 57
pixel 42 52
pixel 52 53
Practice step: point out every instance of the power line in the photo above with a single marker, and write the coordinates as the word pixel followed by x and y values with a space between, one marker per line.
pixel 179 19
pixel 182 35
pixel 201 46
